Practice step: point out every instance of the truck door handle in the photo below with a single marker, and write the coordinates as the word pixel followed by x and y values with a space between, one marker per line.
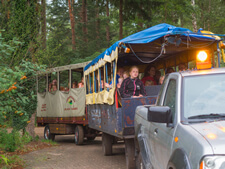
pixel 156 131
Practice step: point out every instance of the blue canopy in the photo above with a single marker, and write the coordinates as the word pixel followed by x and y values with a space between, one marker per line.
pixel 149 35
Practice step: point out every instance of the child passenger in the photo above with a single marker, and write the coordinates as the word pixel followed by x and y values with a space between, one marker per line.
pixel 120 81
pixel 132 86
pixel 125 74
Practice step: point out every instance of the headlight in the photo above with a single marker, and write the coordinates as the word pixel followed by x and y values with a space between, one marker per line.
pixel 213 162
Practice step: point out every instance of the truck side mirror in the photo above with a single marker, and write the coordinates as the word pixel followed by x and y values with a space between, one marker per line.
pixel 160 114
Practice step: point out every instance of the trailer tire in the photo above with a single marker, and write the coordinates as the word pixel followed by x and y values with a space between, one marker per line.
pixel 107 144
pixel 47 134
pixel 79 135
pixel 130 153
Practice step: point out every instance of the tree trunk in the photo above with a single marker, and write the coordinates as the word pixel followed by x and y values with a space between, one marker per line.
pixel 140 23
pixel 107 26
pixel 121 20
pixel 210 15
pixel 43 26
pixel 72 22
pixel 194 21
pixel 97 19
pixel 31 126
pixel 84 19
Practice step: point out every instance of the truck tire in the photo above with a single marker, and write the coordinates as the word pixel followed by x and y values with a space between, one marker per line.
pixel 107 144
pixel 130 153
pixel 47 134
pixel 79 135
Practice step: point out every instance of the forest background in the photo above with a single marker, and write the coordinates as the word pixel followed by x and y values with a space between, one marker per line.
pixel 35 34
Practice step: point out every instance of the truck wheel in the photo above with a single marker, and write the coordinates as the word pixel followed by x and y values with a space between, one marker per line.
pixel 79 135
pixel 107 144
pixel 130 153
pixel 47 134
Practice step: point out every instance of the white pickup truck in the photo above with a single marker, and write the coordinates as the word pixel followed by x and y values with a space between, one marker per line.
pixel 185 129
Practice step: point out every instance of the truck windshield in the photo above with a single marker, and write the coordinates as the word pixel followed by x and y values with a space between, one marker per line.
pixel 204 96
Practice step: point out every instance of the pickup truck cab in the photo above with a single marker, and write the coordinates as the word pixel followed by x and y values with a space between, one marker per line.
pixel 185 129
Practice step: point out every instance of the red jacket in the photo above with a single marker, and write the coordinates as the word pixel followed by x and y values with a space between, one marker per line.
pixel 144 79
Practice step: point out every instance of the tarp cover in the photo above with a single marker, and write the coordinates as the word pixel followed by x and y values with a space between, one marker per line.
pixel 149 35
pixel 61 104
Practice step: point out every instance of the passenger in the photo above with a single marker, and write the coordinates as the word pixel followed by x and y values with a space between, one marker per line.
pixel 81 84
pixel 149 83
pixel 50 87
pixel 119 74
pixel 169 70
pixel 161 80
pixel 132 86
pixel 120 81
pixel 54 85
pixel 74 85
pixel 182 67
pixel 149 74
pixel 125 74
pixel 157 76
pixel 101 84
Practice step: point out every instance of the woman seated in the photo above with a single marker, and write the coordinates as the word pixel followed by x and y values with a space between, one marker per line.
pixel 149 74
pixel 132 86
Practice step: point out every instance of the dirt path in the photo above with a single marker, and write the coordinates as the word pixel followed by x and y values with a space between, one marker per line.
pixel 70 156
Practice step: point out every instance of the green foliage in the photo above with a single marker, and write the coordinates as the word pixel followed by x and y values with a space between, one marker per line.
pixel 20 20
pixel 14 140
pixel 4 159
pixel 7 162
pixel 50 142
pixel 18 94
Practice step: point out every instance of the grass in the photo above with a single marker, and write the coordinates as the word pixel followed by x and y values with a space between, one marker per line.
pixel 53 143
pixel 10 162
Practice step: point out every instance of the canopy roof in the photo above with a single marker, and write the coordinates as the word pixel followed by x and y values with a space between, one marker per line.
pixel 148 43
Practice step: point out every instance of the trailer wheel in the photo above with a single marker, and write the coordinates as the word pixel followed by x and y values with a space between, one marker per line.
pixel 130 153
pixel 79 135
pixel 107 144
pixel 47 134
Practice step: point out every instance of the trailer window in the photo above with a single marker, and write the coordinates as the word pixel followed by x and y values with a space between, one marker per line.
pixel 64 80
pixel 76 77
pixel 52 82
pixel 42 84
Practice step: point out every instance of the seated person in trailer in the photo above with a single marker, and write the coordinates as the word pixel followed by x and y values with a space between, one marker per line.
pixel 119 74
pixel 74 85
pixel 81 84
pixel 182 67
pixel 149 74
pixel 149 83
pixel 132 86
pixel 157 76
pixel 169 70
pixel 50 87
pixel 54 85
pixel 120 81
pixel 125 74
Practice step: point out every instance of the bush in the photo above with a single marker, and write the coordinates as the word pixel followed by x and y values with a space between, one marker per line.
pixel 14 140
